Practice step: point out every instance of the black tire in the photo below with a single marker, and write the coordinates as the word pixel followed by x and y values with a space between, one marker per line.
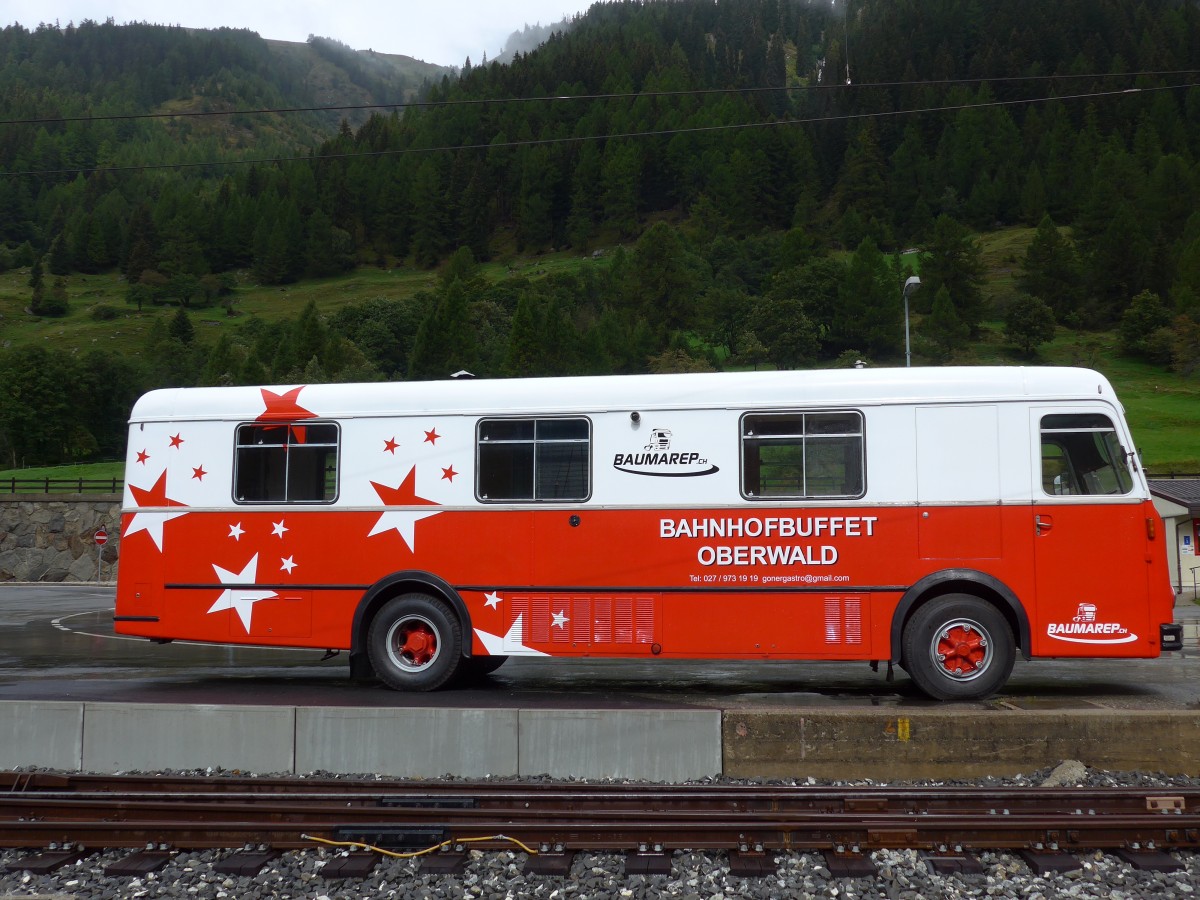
pixel 958 647
pixel 479 666
pixel 415 643
pixel 475 669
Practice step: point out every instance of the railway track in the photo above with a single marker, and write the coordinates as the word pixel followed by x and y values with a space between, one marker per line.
pixel 62 817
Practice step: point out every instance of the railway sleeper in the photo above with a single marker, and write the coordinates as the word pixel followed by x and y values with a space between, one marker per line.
pixel 843 863
pixel 143 862
pixel 356 864
pixel 554 863
pixel 956 863
pixel 641 863
pixel 752 864
pixel 48 860
pixel 246 862
pixel 1155 860
pixel 1049 862
pixel 448 862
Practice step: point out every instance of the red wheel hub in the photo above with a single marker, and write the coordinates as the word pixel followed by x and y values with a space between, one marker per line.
pixel 416 642
pixel 962 649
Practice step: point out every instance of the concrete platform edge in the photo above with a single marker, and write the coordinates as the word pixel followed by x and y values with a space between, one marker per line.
pixel 955 743
pixel 656 744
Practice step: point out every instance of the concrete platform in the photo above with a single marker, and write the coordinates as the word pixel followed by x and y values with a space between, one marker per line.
pixel 74 700
pixel 655 745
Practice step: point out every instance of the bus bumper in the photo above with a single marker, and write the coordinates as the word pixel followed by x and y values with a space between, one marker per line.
pixel 1170 637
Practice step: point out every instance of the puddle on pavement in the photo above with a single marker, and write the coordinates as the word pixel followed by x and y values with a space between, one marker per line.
pixel 1050 703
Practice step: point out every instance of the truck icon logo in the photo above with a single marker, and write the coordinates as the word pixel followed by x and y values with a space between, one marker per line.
pixel 1085 613
pixel 660 439
pixel 657 459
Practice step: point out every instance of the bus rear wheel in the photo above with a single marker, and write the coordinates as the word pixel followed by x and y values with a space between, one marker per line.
pixel 480 666
pixel 415 643
pixel 958 647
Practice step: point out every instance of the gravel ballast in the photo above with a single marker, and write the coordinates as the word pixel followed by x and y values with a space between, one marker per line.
pixel 499 875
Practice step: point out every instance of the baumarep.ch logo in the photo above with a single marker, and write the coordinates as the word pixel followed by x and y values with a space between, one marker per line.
pixel 1086 628
pixel 657 458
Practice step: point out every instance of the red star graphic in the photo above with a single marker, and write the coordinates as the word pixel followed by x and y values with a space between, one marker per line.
pixel 143 456
pixel 199 473
pixel 448 474
pixel 405 494
pixel 151 522
pixel 176 440
pixel 431 436
pixel 390 446
pixel 156 496
pixel 283 407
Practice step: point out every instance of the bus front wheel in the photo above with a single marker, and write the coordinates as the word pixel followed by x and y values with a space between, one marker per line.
pixel 415 643
pixel 958 647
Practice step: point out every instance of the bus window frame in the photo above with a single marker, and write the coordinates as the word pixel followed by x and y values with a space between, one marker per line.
pixel 589 446
pixel 286 445
pixel 1117 457
pixel 805 436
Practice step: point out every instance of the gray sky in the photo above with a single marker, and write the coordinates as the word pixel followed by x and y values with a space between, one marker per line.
pixel 436 31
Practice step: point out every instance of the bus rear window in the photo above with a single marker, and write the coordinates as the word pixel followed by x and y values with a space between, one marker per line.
pixel 533 460
pixel 1081 454
pixel 802 455
pixel 286 463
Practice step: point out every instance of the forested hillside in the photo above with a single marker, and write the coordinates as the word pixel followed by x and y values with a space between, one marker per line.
pixel 746 171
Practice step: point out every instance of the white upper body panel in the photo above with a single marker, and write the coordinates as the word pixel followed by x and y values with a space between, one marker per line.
pixel 921 426
pixel 729 390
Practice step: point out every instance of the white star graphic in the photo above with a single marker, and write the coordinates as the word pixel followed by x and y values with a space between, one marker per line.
pixel 492 601
pixel 279 529
pixel 288 564
pixel 236 531
pixel 560 619
pixel 510 644
pixel 239 599
pixel 148 514
pixel 152 523
pixel 405 523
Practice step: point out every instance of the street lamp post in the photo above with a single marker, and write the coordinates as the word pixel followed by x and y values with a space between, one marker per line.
pixel 910 285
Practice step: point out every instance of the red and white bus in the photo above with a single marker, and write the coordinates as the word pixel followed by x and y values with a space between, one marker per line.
pixel 942 519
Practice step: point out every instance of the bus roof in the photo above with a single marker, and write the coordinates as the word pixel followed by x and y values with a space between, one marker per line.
pixel 736 390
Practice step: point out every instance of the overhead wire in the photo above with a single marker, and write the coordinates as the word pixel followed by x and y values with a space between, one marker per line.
pixel 624 95
pixel 533 142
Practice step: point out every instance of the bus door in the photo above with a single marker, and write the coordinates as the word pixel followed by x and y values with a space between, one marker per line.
pixel 1090 539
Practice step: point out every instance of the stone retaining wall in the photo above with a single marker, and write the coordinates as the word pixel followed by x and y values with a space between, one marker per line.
pixel 49 537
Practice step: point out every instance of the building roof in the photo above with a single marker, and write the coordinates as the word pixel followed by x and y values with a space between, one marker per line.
pixel 1183 490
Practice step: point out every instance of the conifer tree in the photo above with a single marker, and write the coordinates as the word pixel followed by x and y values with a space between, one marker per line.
pixel 1051 271
pixel 58 257
pixel 869 313
pixel 945 332
pixel 444 343
pixel 952 258
pixel 1028 323
pixel 309 335
pixel 181 329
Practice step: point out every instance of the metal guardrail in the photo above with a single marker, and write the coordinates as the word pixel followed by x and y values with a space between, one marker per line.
pixel 61 485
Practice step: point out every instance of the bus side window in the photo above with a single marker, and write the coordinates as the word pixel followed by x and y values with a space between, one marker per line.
pixel 1081 454
pixel 802 455
pixel 286 463
pixel 533 460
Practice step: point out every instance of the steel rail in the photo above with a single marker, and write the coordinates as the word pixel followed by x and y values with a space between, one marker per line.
pixel 598 817
pixel 500 793
pixel 813 833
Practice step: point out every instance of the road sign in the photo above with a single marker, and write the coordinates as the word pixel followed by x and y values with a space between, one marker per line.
pixel 100 537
